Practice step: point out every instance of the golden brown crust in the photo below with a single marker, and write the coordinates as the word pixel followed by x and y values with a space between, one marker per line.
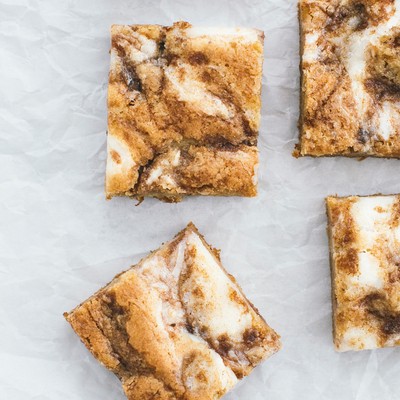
pixel 160 325
pixel 345 111
pixel 178 86
pixel 365 271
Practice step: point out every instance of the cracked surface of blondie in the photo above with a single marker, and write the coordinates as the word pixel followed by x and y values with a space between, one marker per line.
pixel 365 261
pixel 350 90
pixel 176 325
pixel 183 111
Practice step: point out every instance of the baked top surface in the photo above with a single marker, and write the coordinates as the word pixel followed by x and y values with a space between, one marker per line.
pixel 365 261
pixel 196 90
pixel 176 325
pixel 350 78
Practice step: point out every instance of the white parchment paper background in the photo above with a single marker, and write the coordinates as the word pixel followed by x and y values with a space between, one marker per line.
pixel 61 241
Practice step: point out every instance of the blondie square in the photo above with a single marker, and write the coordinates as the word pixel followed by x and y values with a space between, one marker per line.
pixel 364 234
pixel 350 86
pixel 183 111
pixel 176 325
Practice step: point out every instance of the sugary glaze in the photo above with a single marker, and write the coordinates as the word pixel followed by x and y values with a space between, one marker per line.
pixel 176 325
pixel 195 91
pixel 365 261
pixel 350 78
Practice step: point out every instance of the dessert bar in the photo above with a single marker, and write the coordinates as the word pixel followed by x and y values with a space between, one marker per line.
pixel 183 111
pixel 364 234
pixel 350 86
pixel 176 325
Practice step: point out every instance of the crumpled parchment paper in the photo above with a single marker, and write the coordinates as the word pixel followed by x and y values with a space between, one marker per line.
pixel 61 241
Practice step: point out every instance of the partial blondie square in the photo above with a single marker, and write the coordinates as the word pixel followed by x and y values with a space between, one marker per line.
pixel 350 89
pixel 364 234
pixel 176 325
pixel 183 111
